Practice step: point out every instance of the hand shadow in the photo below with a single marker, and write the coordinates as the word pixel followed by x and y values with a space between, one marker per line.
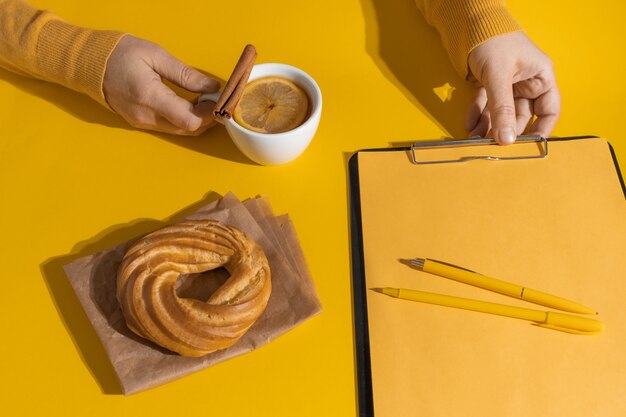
pixel 69 308
pixel 408 51
pixel 214 142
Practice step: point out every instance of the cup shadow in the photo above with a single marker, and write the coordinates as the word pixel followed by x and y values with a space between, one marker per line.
pixel 215 142
pixel 408 51
pixel 69 308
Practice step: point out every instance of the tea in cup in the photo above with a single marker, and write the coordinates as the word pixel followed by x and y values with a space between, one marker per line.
pixel 277 116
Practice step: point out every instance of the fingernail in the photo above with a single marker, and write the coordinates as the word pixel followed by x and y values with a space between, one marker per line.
pixel 204 109
pixel 506 136
pixel 210 84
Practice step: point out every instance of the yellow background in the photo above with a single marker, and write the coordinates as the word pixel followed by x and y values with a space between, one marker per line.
pixel 75 179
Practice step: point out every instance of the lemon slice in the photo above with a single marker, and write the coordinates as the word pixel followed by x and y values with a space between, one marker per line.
pixel 272 105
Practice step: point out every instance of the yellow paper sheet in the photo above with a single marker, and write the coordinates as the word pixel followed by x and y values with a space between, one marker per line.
pixel 555 224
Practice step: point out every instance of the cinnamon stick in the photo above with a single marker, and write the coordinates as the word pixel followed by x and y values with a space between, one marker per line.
pixel 233 90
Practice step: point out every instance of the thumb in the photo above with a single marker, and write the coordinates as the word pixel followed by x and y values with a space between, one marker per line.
pixel 501 106
pixel 183 75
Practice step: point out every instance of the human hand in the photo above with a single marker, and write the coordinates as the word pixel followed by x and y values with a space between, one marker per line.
pixel 133 88
pixel 515 81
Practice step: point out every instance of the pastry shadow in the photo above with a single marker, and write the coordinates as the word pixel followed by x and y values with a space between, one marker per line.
pixel 70 311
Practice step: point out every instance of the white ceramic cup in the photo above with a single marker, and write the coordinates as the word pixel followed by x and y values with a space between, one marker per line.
pixel 276 148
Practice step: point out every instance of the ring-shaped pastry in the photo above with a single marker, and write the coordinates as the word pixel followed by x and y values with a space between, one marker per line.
pixel 147 291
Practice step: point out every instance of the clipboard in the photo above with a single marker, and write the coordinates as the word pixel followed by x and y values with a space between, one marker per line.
pixel 553 220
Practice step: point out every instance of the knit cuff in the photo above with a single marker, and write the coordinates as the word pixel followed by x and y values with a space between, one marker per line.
pixel 465 24
pixel 76 57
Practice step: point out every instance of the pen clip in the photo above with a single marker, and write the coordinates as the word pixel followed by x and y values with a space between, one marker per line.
pixel 566 329
pixel 569 323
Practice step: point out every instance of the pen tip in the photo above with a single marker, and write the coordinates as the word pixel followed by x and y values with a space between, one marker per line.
pixel 380 290
pixel 415 263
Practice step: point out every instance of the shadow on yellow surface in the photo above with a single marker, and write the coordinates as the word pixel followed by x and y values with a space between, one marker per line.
pixel 68 306
pixel 215 142
pixel 408 51
pixel 355 304
pixel 72 102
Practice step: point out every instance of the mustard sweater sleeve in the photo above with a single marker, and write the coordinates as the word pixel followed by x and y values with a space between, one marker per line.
pixel 39 44
pixel 465 24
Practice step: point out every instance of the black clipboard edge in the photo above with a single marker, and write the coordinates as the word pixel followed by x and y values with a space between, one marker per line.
pixel 361 327
pixel 619 173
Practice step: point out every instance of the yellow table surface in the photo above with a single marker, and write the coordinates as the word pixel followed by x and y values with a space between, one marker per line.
pixel 76 179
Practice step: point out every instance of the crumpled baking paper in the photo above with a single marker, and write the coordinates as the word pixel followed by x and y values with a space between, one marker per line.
pixel 141 364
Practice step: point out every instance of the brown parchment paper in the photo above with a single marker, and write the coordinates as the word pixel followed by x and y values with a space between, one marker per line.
pixel 141 364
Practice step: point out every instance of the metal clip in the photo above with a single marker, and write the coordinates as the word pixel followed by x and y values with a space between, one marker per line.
pixel 472 142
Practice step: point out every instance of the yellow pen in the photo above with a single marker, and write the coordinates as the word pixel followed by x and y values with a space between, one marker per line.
pixel 547 319
pixel 502 287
